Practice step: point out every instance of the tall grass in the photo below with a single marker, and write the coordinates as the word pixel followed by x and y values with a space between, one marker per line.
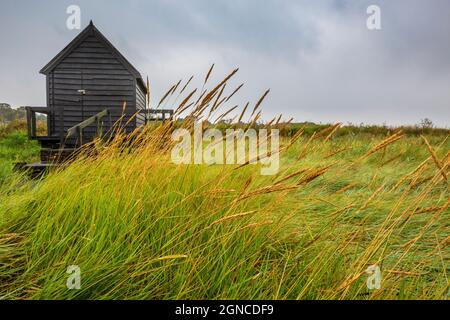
pixel 140 227
pixel 15 147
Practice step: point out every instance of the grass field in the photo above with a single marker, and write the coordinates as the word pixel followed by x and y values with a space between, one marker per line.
pixel 140 227
pixel 15 147
pixel 172 232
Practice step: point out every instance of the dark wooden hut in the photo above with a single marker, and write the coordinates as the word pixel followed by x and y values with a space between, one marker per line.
pixel 88 84
pixel 88 77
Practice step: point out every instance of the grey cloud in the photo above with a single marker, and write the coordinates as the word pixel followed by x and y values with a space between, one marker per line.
pixel 318 58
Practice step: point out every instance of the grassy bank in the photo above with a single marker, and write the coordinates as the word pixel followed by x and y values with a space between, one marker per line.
pixel 140 227
pixel 15 147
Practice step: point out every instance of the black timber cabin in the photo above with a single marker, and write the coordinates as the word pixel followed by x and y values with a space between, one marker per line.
pixel 88 83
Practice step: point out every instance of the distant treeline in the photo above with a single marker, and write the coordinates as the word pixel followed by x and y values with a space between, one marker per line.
pixel 309 128
pixel 351 129
pixel 9 114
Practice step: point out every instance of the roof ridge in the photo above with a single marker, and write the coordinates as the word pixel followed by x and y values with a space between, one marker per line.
pixel 90 28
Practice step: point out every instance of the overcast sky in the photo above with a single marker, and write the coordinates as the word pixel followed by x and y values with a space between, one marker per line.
pixel 318 58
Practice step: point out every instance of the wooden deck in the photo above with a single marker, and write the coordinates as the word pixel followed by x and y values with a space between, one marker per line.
pixel 37 169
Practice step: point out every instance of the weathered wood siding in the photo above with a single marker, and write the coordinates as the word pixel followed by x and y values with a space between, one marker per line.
pixel 140 105
pixel 108 84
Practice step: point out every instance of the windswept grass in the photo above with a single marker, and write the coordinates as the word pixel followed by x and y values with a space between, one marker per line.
pixel 15 147
pixel 140 227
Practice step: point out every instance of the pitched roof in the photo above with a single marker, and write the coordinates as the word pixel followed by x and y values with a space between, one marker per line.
pixel 91 30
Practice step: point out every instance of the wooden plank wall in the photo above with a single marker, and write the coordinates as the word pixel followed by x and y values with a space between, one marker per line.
pixel 140 105
pixel 108 84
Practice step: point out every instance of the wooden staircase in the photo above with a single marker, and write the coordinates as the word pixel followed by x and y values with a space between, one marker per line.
pixel 57 150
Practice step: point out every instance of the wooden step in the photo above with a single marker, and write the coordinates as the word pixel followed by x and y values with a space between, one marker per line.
pixel 37 169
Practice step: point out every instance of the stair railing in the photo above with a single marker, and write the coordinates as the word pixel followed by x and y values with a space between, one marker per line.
pixel 77 130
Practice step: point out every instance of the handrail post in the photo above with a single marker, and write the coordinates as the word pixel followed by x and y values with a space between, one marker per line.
pixel 80 135
pixel 97 121
pixel 33 124
pixel 110 122
pixel 28 111
pixel 48 124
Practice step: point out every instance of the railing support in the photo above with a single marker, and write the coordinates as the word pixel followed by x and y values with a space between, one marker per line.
pixel 77 130
pixel 31 120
